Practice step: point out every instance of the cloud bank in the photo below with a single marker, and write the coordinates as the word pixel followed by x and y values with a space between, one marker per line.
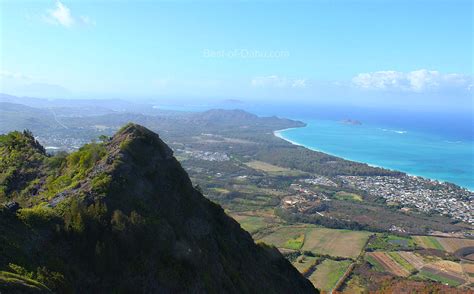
pixel 415 81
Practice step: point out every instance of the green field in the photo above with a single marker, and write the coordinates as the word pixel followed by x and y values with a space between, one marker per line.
pixel 341 195
pixel 338 243
pixel 438 278
pixel 328 273
pixel 288 237
pixel 273 169
pixel 248 202
pixel 251 223
pixel 401 261
pixel 295 243
pixel 428 242
pixel 220 190
pixel 377 266
pixel 386 242
pixel 342 243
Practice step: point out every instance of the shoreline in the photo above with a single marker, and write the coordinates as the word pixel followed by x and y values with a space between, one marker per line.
pixel 278 134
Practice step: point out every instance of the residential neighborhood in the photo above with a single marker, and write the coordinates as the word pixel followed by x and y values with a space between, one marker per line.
pixel 419 193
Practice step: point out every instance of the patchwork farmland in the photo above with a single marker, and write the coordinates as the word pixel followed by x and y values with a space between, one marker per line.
pixel 404 264
pixel 319 240
pixel 329 256
pixel 324 257
pixel 450 245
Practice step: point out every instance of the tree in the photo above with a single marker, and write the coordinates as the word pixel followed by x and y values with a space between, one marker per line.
pixel 104 138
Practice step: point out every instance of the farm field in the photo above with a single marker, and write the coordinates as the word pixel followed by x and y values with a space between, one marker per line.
pixel 446 266
pixel 404 264
pixel 439 275
pixel 246 202
pixel 400 259
pixel 318 240
pixel 388 242
pixel 287 236
pixel 336 242
pixel 341 195
pixel 453 244
pixel 270 168
pixel 256 221
pixel 255 190
pixel 251 223
pixel 428 242
pixel 413 259
pixel 354 286
pixel 328 273
pixel 385 261
pixel 295 243
pixel 468 269
pixel 266 167
pixel 303 263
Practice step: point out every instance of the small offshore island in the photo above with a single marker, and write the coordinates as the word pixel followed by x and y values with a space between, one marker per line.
pixel 352 122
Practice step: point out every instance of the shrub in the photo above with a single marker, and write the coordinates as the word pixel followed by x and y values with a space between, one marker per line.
pixel 38 215
pixel 119 221
pixel 101 183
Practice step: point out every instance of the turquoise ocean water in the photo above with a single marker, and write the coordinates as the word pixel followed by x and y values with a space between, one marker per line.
pixel 416 153
pixel 435 145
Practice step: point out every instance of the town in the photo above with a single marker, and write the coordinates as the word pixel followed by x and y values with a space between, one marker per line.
pixel 407 192
pixel 418 193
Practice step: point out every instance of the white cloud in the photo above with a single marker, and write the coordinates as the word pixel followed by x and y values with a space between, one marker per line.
pixel 277 82
pixel 414 81
pixel 61 15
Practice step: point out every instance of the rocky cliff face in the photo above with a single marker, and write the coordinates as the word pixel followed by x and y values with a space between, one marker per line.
pixel 124 217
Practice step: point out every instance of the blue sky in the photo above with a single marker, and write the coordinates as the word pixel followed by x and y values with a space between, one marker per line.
pixel 408 53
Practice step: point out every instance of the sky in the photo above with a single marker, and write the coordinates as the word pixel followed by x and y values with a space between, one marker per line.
pixel 414 54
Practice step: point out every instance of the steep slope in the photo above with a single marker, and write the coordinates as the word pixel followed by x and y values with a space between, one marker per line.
pixel 124 217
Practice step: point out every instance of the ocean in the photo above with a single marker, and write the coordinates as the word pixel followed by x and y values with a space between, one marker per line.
pixel 435 145
pixel 405 150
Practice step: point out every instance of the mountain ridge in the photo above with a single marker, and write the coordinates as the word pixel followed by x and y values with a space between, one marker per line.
pixel 128 218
